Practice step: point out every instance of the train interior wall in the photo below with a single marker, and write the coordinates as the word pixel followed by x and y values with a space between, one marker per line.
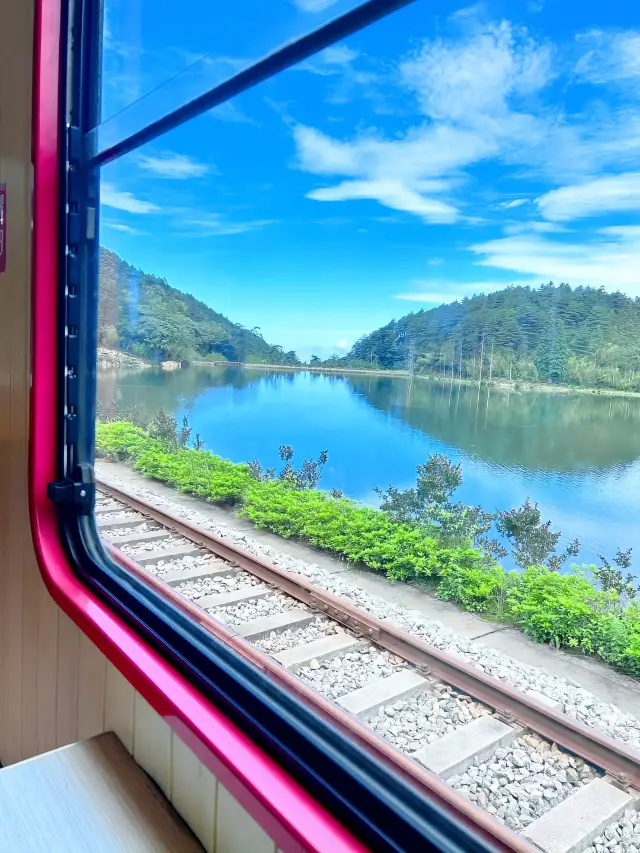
pixel 55 686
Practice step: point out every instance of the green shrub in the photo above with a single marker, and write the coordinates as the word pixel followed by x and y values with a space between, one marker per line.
pixel 566 610
pixel 618 639
pixel 120 440
pixel 559 609
pixel 341 527
pixel 479 588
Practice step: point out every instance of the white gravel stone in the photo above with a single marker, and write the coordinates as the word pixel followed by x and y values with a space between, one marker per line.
pixel 424 718
pixel 117 532
pixel 216 585
pixel 247 611
pixel 522 781
pixel 623 836
pixel 319 628
pixel 141 549
pixel 348 672
pixel 183 563
pixel 574 700
pixel 122 514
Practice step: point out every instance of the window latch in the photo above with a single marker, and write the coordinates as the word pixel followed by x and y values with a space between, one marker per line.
pixel 78 492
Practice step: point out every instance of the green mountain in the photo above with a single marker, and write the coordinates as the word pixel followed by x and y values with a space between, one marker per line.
pixel 582 336
pixel 142 314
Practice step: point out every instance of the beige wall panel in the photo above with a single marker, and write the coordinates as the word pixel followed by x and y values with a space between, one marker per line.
pixel 194 793
pixel 47 679
pixel 236 831
pixel 152 743
pixel 67 683
pixel 92 682
pixel 119 707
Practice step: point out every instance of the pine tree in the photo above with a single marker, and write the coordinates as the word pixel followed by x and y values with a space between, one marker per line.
pixel 553 351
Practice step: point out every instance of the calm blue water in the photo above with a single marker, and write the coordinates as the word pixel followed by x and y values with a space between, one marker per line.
pixel 576 455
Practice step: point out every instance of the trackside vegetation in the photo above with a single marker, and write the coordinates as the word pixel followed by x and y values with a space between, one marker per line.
pixel 418 535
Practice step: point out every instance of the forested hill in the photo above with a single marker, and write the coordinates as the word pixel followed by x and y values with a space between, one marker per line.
pixel 553 333
pixel 142 314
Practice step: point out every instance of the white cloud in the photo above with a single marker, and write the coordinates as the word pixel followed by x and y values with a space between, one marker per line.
pixel 611 259
pixel 390 194
pixel 343 344
pixel 120 226
pixel 171 165
pixel 592 198
pixel 475 77
pixel 610 57
pixel 402 174
pixel 464 88
pixel 338 54
pixel 535 226
pixel 435 262
pixel 230 113
pixel 213 225
pixel 516 202
pixel 313 5
pixel 111 197
pixel 482 96
pixel 627 231
pixel 467 12
pixel 440 290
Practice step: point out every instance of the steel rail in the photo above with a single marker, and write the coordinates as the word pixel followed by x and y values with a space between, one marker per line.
pixel 514 706
pixel 474 817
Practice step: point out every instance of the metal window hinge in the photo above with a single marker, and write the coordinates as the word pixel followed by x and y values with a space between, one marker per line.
pixel 79 492
pixel 74 144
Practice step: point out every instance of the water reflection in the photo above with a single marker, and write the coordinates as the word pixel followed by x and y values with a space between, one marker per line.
pixel 578 455
pixel 548 431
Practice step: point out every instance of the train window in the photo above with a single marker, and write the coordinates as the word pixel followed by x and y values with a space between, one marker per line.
pixel 356 336
pixel 154 60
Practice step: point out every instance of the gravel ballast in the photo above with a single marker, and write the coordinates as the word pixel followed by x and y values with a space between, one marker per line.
pixel 523 781
pixel 412 723
pixel 344 673
pixel 291 638
pixel 247 611
pixel 623 836
pixel 143 549
pixel 216 586
pixel 184 564
pixel 574 700
pixel 143 527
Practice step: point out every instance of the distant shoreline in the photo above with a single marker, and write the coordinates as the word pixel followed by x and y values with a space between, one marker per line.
pixel 500 384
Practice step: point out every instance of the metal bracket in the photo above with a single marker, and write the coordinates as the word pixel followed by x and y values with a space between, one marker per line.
pixel 358 626
pixel 506 717
pixel 619 780
pixel 78 492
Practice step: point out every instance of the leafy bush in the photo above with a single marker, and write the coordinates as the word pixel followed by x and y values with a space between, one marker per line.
pixel 307 477
pixel 567 610
pixel 560 609
pixel 534 542
pixel 481 589
pixel 120 441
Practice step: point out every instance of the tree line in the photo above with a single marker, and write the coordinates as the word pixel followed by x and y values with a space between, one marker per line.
pixel 142 314
pixel 579 336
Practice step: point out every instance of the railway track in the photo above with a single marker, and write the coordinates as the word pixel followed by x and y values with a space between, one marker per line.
pixel 510 762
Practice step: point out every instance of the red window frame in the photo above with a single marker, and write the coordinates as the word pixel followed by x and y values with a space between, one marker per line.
pixel 290 816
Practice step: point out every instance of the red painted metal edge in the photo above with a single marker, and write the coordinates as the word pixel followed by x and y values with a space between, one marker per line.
pixel 280 805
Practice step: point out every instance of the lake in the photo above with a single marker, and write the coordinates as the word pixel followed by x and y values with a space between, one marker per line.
pixel 577 455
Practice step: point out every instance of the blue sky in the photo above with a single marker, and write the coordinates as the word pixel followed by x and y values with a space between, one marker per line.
pixel 444 151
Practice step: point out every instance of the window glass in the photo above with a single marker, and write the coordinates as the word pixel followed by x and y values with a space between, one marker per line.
pixel 154 60
pixel 380 314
